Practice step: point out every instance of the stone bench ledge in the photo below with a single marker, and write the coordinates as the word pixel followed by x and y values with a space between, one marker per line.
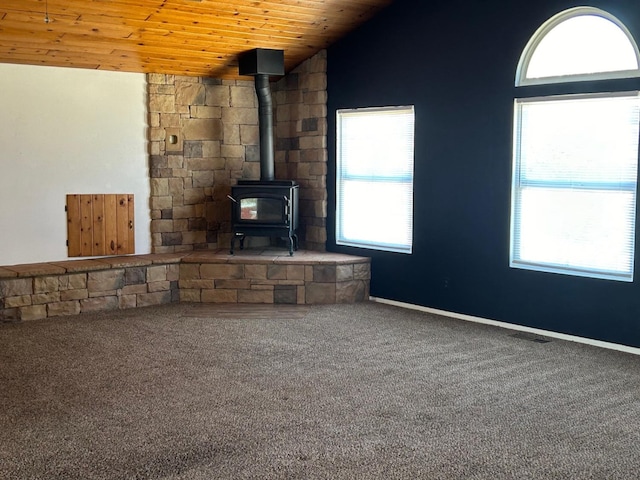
pixel 321 258
pixel 166 258
pixel 266 257
pixel 6 273
pixel 35 269
pixel 77 266
pixel 88 265
pixel 69 287
pixel 269 256
pixel 142 260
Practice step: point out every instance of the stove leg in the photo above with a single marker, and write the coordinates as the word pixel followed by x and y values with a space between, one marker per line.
pixel 290 245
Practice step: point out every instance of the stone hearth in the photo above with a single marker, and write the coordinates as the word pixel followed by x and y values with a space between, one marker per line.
pixel 270 276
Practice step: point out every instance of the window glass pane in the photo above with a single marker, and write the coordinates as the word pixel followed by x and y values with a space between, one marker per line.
pixel 575 177
pixel 371 140
pixel 579 228
pixel 374 204
pixel 579 140
pixel 376 213
pixel 581 45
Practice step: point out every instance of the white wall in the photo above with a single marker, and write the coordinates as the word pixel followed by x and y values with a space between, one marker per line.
pixel 67 131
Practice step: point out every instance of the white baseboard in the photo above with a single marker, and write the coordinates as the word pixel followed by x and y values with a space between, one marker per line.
pixel 511 326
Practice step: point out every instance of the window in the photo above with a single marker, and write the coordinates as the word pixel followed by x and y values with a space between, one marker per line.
pixel 374 175
pixel 576 156
pixel 581 43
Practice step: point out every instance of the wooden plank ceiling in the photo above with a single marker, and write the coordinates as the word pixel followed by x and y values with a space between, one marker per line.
pixel 182 37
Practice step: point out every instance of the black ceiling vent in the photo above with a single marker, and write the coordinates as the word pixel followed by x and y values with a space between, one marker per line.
pixel 261 61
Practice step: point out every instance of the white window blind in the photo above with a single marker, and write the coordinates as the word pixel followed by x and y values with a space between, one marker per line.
pixel 374 178
pixel 574 189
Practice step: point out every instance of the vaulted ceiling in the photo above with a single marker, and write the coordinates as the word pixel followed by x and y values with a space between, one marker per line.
pixel 182 37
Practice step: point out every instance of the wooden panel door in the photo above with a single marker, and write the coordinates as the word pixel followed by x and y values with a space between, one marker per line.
pixel 100 224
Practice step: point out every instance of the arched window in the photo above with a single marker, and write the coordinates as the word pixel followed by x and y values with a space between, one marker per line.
pixel 575 156
pixel 582 43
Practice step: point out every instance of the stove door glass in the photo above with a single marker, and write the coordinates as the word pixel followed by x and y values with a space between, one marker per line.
pixel 263 209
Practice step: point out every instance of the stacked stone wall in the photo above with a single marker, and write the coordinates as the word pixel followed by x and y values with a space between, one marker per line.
pixel 36 291
pixel 301 143
pixel 31 292
pixel 203 137
pixel 305 279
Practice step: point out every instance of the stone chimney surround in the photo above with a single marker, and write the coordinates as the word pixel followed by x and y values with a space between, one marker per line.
pixel 203 137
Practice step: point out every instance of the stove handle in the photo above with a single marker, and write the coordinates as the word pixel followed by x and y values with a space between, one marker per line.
pixel 232 199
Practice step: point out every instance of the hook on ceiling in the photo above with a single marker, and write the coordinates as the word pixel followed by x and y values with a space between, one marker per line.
pixel 46 12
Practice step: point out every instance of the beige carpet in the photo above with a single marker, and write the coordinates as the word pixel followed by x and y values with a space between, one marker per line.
pixel 336 392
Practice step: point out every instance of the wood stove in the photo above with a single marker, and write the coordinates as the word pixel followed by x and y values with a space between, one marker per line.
pixel 265 209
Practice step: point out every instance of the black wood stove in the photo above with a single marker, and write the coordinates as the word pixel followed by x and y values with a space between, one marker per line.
pixel 264 207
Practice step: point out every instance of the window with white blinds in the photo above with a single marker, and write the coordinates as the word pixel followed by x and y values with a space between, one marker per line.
pixel 575 184
pixel 575 157
pixel 374 178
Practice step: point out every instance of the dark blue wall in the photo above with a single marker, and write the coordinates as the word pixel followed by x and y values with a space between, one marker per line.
pixel 456 62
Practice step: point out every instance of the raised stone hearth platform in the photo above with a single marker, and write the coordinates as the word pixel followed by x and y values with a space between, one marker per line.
pixel 272 276
pixel 42 290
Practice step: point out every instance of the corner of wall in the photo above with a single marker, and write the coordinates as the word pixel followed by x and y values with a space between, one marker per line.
pixel 203 137
pixel 301 143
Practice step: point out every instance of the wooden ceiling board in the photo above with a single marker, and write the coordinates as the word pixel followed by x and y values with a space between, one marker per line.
pixel 181 37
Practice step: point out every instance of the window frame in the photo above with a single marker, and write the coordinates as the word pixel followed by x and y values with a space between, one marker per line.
pixel 526 89
pixel 546 27
pixel 382 179
pixel 518 185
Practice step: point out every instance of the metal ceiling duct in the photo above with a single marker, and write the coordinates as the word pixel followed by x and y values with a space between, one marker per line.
pixel 261 63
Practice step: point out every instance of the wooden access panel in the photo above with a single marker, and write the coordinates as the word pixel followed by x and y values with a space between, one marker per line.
pixel 100 224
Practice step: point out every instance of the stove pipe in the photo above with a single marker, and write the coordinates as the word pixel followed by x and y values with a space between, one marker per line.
pixel 265 126
pixel 261 63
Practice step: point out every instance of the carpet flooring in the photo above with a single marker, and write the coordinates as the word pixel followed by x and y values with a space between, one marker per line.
pixel 364 391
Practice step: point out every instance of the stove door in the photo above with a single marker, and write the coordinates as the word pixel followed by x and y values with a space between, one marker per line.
pixel 263 208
